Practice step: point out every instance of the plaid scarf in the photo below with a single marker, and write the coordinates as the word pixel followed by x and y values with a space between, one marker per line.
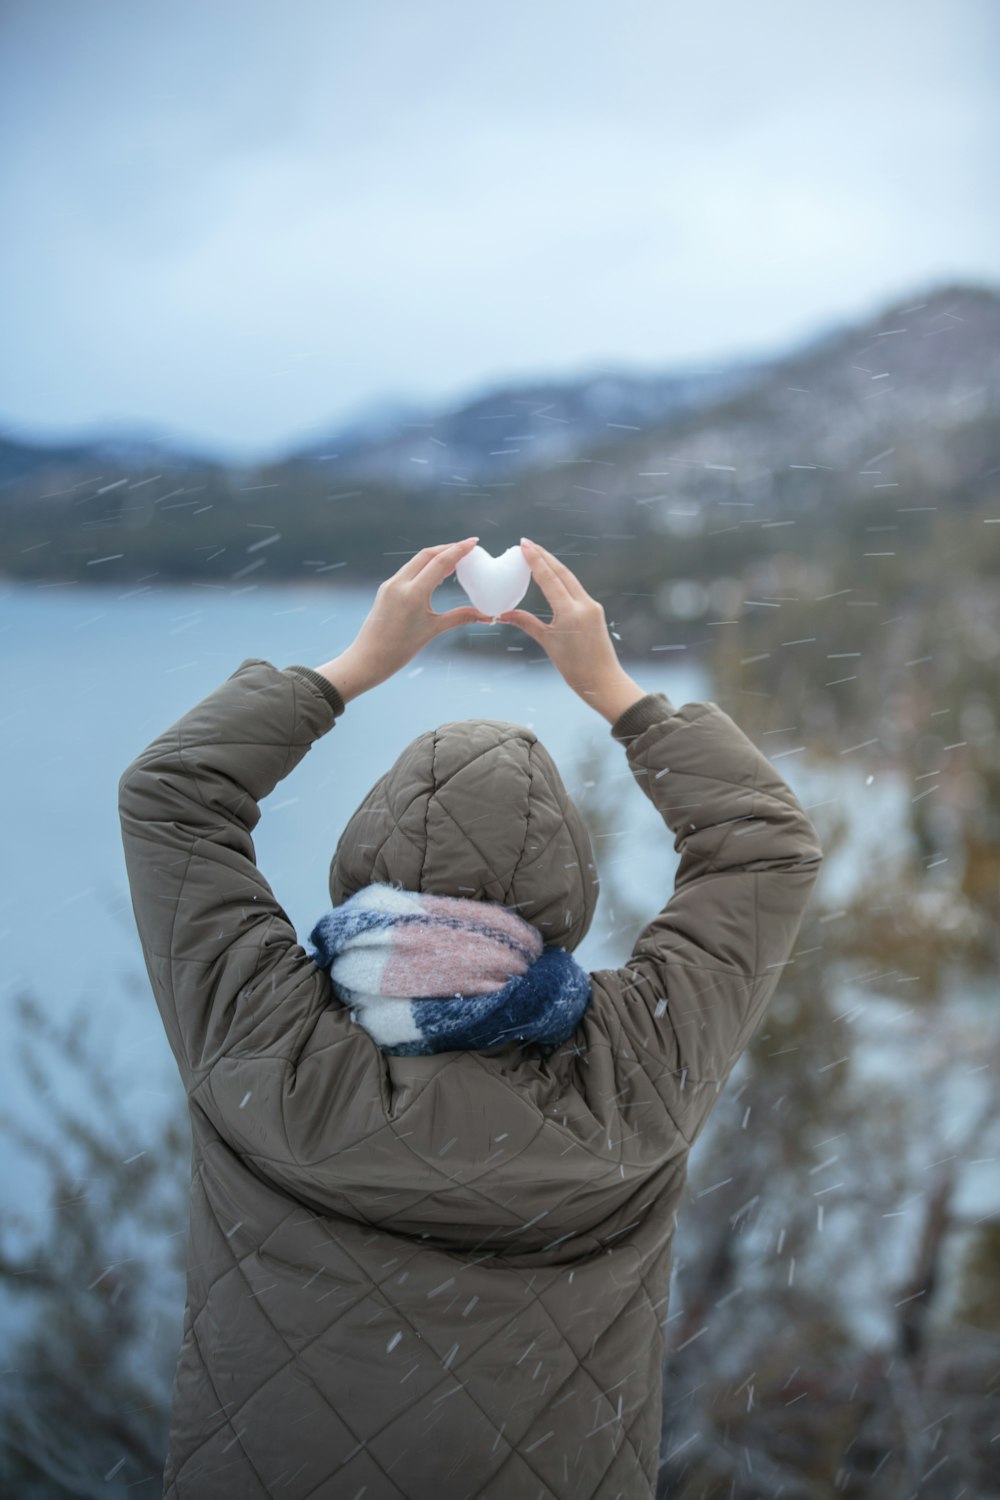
pixel 426 973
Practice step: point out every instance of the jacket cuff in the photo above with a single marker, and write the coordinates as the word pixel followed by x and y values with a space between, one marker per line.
pixel 325 686
pixel 639 716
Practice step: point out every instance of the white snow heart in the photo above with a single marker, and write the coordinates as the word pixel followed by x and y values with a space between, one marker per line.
pixel 494 584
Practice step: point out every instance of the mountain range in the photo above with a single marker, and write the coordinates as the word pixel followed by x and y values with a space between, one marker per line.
pixel 926 361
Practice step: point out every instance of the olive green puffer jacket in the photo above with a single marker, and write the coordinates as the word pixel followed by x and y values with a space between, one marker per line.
pixel 442 1277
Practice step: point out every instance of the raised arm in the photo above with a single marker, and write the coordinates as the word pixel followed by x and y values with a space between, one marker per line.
pixel 702 973
pixel 246 1010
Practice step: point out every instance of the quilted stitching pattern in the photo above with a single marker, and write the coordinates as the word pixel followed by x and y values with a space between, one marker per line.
pixel 609 1414
pixel 442 1276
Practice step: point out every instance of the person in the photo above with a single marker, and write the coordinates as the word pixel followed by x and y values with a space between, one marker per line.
pixel 420 1271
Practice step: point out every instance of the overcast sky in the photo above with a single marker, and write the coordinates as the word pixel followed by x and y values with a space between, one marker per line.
pixel 243 221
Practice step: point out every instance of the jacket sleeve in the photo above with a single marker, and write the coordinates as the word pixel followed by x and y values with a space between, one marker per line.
pixel 234 988
pixel 702 972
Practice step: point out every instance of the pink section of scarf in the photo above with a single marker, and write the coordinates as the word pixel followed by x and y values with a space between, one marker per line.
pixel 490 947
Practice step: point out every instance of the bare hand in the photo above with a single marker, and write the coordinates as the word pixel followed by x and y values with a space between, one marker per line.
pixel 577 641
pixel 401 621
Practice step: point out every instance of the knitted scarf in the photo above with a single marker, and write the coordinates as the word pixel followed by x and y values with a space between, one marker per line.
pixel 425 973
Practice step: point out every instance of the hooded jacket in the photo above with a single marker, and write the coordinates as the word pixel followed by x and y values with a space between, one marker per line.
pixel 442 1277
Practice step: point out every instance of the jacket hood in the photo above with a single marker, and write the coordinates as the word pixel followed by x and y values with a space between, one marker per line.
pixel 476 808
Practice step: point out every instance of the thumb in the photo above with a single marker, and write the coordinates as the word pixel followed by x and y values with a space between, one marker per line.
pixel 466 614
pixel 524 618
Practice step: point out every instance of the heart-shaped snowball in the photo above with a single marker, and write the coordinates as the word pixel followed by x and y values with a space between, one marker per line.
pixel 494 584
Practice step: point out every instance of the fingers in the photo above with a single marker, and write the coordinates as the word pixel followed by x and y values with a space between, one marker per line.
pixel 440 560
pixel 554 579
pixel 465 614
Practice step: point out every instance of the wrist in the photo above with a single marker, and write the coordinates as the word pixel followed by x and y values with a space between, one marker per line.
pixel 346 675
pixel 611 699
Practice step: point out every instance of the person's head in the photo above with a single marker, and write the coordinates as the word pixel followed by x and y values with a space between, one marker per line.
pixel 476 808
